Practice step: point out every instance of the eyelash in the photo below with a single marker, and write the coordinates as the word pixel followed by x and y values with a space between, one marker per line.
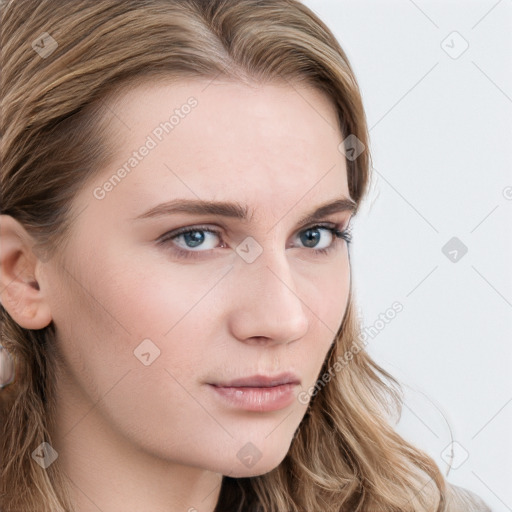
pixel 345 234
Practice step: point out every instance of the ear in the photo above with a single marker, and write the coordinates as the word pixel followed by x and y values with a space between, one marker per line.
pixel 20 293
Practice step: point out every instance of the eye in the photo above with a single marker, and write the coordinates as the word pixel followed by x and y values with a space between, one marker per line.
pixel 312 235
pixel 196 237
pixel 185 242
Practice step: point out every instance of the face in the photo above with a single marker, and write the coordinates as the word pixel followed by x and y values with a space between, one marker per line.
pixel 180 324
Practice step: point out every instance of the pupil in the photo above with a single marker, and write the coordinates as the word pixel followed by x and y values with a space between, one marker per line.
pixel 196 237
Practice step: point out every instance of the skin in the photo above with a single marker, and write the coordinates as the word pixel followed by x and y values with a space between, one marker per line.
pixel 134 437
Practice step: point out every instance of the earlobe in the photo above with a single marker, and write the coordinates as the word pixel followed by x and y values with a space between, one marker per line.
pixel 20 293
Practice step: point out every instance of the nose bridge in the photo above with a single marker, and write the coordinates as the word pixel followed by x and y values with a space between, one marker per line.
pixel 267 304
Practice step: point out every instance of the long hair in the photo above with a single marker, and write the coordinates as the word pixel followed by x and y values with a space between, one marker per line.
pixel 61 62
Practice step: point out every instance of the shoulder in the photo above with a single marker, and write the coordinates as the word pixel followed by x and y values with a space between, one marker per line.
pixel 460 499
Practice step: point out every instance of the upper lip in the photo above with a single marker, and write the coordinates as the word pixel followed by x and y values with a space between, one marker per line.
pixel 260 381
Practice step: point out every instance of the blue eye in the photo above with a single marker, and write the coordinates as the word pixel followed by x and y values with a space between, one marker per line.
pixel 193 237
pixel 313 234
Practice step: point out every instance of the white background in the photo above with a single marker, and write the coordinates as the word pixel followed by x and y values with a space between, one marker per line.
pixel 440 129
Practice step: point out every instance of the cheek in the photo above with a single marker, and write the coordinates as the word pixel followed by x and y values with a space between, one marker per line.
pixel 97 313
pixel 154 317
pixel 92 337
pixel 325 293
pixel 97 335
pixel 328 301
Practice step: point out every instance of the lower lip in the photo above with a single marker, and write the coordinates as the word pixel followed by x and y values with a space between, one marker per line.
pixel 257 399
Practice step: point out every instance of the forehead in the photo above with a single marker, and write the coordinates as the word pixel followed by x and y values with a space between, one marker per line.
pixel 269 145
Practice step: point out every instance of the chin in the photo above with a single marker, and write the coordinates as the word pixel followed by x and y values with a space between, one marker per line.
pixel 263 466
pixel 250 472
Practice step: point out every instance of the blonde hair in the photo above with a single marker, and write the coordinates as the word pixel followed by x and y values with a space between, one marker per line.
pixel 345 456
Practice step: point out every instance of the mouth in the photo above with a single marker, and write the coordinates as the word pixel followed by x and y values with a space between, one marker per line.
pixel 258 393
pixel 260 381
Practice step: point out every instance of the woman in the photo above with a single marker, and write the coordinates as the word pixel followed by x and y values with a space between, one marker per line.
pixel 178 181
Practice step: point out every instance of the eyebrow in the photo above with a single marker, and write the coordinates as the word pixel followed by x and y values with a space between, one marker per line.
pixel 238 211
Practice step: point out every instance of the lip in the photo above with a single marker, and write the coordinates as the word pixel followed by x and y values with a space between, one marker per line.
pixel 260 381
pixel 258 393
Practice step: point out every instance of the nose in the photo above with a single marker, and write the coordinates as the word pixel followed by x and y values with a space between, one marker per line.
pixel 266 307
